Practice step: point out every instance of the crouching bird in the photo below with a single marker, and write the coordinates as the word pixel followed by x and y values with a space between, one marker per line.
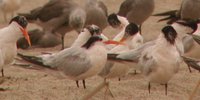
pixel 8 38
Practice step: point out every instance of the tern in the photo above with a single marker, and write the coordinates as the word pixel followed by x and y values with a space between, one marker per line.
pixel 85 58
pixel 78 63
pixel 152 57
pixel 8 38
pixel 131 39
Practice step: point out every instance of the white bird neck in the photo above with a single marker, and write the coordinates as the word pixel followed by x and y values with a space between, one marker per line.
pixel 82 38
pixel 123 20
pixel 124 23
pixel 11 33
pixel 197 32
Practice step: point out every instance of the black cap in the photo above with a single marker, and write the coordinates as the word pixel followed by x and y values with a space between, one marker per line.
pixel 132 29
pixel 21 20
pixel 170 34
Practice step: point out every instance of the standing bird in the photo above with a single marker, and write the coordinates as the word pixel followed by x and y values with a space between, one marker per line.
pixel 96 12
pixel 160 62
pixel 8 38
pixel 58 16
pixel 9 6
pixel 189 10
pixel 119 23
pixel 159 59
pixel 182 27
pixel 136 11
pixel 78 63
pixel 132 56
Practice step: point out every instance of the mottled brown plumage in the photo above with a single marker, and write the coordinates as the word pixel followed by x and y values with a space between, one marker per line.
pixel 97 13
pixel 136 11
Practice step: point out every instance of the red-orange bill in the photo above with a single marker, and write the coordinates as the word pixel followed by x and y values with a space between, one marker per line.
pixel 114 42
pixel 25 33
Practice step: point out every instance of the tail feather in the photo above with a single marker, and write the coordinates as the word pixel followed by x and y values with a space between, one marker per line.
pixel 167 13
pixel 113 57
pixel 191 62
pixel 171 16
pixel 196 38
pixel 33 59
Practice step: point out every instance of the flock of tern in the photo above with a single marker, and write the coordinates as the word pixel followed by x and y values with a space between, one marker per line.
pixel 92 53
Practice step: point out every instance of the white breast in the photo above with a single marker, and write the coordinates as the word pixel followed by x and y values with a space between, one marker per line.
pixel 98 58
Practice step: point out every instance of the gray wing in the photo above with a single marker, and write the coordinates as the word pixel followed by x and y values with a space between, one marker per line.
pixel 135 54
pixel 125 7
pixel 148 63
pixel 72 61
pixel 136 11
pixel 96 15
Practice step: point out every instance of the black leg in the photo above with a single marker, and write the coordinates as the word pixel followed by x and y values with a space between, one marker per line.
pixel 135 72
pixel 2 72
pixel 149 88
pixel 62 39
pixel 77 84
pixel 84 84
pixel 119 79
pixel 189 68
pixel 166 89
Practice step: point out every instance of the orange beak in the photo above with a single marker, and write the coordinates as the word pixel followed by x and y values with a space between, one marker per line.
pixel 123 39
pixel 113 42
pixel 25 33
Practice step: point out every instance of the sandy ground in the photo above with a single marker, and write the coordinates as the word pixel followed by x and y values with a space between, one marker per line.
pixel 28 84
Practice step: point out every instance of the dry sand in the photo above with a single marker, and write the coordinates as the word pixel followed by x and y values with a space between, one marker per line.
pixel 28 84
